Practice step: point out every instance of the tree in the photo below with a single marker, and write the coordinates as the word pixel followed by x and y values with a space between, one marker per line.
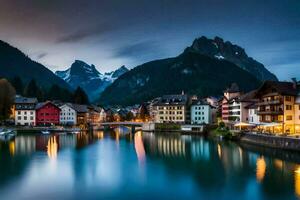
pixel 129 116
pixel 7 96
pixel 80 96
pixel 143 112
pixel 17 83
pixel 32 90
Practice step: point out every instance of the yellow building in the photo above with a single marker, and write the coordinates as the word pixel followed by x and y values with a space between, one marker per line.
pixel 279 107
pixel 171 109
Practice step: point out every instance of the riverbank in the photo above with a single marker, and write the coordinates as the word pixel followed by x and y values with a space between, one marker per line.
pixel 272 141
pixel 37 130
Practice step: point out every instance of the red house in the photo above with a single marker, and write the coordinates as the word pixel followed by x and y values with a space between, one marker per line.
pixel 47 113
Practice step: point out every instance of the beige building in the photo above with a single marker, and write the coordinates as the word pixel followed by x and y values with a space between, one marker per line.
pixel 171 109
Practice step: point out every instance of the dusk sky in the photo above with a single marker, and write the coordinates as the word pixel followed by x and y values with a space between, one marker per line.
pixel 111 33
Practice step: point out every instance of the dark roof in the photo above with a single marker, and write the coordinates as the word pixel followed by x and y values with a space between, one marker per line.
pixel 41 104
pixel 200 102
pixel 95 108
pixel 233 88
pixel 25 100
pixel 283 88
pixel 80 108
pixel 251 106
pixel 172 100
pixel 248 97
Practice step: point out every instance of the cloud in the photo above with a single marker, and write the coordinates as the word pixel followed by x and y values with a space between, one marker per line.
pixel 84 33
pixel 140 49
pixel 41 55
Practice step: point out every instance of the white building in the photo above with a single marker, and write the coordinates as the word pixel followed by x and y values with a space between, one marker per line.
pixel 253 118
pixel 68 115
pixel 201 113
pixel 25 111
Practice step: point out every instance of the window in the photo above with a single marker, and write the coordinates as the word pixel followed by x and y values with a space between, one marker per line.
pixel 288 107
pixel 25 113
pixel 289 117
pixel 19 112
pixel 31 113
pixel 31 118
pixel 19 117
pixel 288 98
pixel 25 117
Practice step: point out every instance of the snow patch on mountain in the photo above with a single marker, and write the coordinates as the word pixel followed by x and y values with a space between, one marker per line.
pixel 86 76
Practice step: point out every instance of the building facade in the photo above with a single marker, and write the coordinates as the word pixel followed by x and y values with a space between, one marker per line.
pixel 24 110
pixel 201 113
pixel 229 105
pixel 68 115
pixel 47 113
pixel 253 117
pixel 82 115
pixel 171 109
pixel 278 106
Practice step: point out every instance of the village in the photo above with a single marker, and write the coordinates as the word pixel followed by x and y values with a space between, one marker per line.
pixel 273 108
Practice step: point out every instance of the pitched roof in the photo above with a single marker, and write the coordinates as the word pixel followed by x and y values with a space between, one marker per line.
pixel 41 104
pixel 25 100
pixel 248 97
pixel 233 88
pixel 172 100
pixel 283 88
pixel 80 108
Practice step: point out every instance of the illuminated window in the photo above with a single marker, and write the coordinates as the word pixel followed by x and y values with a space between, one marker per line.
pixel 288 107
pixel 289 117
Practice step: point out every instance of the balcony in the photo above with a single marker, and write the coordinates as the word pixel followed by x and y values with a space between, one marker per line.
pixel 273 102
pixel 270 112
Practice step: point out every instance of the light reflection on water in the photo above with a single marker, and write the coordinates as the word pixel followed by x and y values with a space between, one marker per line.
pixel 123 165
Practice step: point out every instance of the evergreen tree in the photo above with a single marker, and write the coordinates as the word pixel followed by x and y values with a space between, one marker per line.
pixel 143 112
pixel 80 96
pixel 32 90
pixel 17 83
pixel 129 116
pixel 54 93
pixel 7 96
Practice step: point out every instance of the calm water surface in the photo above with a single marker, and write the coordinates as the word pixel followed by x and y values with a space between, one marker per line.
pixel 115 165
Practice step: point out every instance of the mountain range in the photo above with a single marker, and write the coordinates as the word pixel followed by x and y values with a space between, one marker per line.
pixel 15 63
pixel 205 68
pixel 89 78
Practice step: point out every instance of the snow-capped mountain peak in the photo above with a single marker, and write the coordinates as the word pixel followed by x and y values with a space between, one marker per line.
pixel 89 78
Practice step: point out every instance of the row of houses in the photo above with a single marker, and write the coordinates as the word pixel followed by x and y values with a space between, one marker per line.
pixel 183 109
pixel 274 107
pixel 30 112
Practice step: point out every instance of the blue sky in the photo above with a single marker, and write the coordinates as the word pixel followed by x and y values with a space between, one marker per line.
pixel 111 33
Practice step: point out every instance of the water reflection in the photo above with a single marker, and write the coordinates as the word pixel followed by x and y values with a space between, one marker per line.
pixel 173 163
pixel 139 147
pixel 260 169
pixel 52 147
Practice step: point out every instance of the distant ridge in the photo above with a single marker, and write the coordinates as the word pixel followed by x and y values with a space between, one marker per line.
pixel 195 71
pixel 14 63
